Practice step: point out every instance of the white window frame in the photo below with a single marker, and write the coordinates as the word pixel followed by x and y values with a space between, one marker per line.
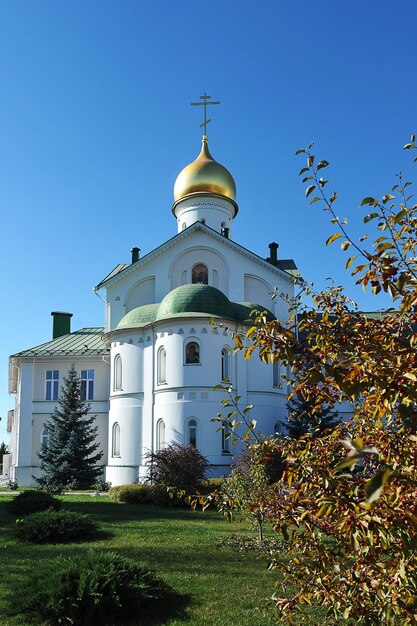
pixel 160 435
pixel 51 385
pixel 192 424
pixel 45 437
pixel 118 373
pixel 226 365
pixel 161 366
pixel 87 385
pixel 226 439
pixel 115 440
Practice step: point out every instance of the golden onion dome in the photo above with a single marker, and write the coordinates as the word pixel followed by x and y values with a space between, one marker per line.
pixel 204 175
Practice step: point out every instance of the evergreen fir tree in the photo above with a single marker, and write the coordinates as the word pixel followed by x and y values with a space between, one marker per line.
pixel 68 458
pixel 3 450
pixel 302 420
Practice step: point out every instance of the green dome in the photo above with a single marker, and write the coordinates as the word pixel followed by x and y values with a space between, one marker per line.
pixel 191 301
pixel 195 298
pixel 141 316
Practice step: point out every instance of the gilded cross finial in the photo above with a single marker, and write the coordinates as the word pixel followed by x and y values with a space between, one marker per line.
pixel 205 104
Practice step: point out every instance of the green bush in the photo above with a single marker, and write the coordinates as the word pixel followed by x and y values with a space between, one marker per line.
pixel 142 494
pixel 93 588
pixel 209 485
pixel 54 527
pixel 131 494
pixel 32 501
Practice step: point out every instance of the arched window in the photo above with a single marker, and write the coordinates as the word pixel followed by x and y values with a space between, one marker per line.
pixel 199 274
pixel 225 365
pixel 115 447
pixel 225 438
pixel 192 353
pixel 117 386
pixel 45 437
pixel 160 435
pixel 192 433
pixel 162 366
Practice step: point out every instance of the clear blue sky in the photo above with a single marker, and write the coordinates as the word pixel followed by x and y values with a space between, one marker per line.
pixel 95 125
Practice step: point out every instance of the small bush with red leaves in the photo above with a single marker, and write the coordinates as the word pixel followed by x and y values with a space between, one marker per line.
pixel 180 467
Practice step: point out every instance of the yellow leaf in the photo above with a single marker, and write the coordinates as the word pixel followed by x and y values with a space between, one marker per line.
pixel 333 238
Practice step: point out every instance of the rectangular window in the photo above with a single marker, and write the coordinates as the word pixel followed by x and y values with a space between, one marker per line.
pixel 87 384
pixel 276 374
pixel 52 384
pixel 225 438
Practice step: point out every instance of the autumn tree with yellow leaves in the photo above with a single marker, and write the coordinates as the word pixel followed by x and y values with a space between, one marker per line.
pixel 347 502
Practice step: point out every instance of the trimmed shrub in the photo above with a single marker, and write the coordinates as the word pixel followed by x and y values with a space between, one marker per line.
pixel 176 466
pixel 55 527
pixel 142 494
pixel 131 494
pixel 94 588
pixel 32 501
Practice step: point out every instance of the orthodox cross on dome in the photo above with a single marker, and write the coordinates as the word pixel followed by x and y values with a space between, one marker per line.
pixel 205 104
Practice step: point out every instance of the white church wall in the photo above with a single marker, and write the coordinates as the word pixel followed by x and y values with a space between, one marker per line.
pixel 257 290
pixel 24 422
pixel 268 409
pixel 214 261
pixel 260 375
pixel 141 293
pixel 226 265
pixel 130 347
pixel 176 409
pixel 213 211
pixel 127 412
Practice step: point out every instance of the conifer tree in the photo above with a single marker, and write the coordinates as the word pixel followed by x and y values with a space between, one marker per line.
pixel 303 420
pixel 69 459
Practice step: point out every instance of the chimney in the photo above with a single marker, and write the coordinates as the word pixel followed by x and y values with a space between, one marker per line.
pixel 61 324
pixel 273 247
pixel 135 254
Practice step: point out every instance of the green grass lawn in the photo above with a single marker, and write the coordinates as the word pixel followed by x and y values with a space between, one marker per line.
pixel 224 587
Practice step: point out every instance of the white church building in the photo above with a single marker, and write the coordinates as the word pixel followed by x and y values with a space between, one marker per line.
pixel 167 341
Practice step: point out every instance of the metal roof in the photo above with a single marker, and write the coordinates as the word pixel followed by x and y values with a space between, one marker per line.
pixel 116 270
pixel 83 342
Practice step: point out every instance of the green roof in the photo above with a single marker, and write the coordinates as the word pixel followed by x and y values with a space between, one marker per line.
pixel 116 270
pixel 191 301
pixel 83 342
pixel 195 298
pixel 141 316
